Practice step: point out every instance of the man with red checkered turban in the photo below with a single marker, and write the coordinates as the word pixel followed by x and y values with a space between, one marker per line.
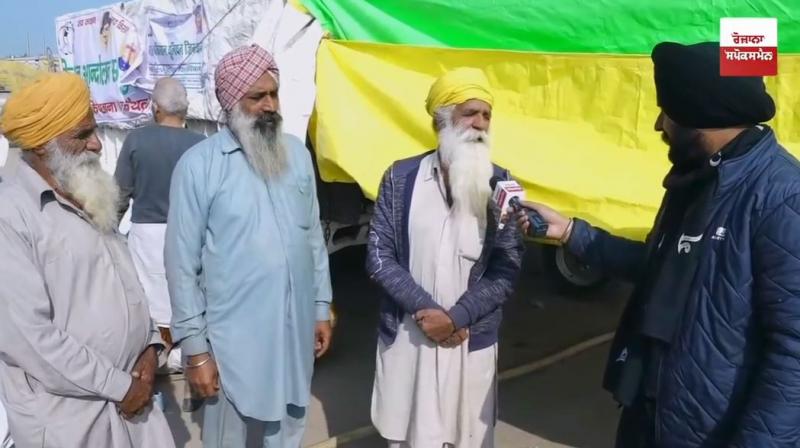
pixel 247 264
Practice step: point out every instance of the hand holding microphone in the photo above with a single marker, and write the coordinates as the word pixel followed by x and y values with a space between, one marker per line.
pixel 559 226
pixel 507 193
pixel 535 220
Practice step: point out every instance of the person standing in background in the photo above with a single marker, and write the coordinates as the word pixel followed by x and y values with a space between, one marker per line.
pixel 144 172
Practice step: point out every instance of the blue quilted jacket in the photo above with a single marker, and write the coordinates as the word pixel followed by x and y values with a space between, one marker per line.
pixel 731 377
pixel 491 280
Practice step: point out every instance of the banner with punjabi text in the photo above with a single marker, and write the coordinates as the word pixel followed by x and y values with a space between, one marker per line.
pixel 104 47
pixel 175 48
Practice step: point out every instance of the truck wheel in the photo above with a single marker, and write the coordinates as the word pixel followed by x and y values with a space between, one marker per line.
pixel 567 272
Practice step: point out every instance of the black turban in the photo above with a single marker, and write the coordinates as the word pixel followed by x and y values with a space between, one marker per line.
pixel 692 93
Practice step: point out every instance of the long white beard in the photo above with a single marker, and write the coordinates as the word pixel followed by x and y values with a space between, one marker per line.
pixel 82 177
pixel 263 146
pixel 466 155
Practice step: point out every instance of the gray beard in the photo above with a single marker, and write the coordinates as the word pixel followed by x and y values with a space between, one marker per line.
pixel 469 169
pixel 262 143
pixel 82 177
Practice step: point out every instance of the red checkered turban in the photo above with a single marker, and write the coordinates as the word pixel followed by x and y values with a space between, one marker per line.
pixel 238 70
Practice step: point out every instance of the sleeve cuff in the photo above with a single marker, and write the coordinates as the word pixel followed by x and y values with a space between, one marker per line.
pixel 117 385
pixel 194 345
pixel 155 338
pixel 323 311
pixel 573 243
pixel 460 316
pixel 161 352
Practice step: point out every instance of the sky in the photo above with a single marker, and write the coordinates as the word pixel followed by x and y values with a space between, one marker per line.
pixel 37 19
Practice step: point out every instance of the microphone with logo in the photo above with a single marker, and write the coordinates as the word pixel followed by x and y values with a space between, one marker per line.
pixel 507 193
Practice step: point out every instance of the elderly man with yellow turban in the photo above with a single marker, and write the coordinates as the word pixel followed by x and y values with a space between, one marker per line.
pixel 445 267
pixel 78 350
pixel 247 264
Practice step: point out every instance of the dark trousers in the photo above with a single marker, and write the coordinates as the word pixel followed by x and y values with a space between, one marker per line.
pixel 636 427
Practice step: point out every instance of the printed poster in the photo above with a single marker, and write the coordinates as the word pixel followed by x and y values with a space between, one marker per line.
pixel 176 48
pixel 103 46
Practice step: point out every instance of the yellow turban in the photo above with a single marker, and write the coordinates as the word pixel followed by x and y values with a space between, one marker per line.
pixel 45 109
pixel 459 86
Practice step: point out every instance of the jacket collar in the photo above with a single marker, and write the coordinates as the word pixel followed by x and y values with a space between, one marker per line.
pixel 435 167
pixel 733 172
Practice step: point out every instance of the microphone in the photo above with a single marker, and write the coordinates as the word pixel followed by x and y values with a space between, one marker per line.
pixel 507 193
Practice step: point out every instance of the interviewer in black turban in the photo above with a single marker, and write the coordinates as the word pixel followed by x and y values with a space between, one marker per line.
pixel 693 94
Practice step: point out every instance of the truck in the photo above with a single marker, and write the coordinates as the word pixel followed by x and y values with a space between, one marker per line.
pixel 575 99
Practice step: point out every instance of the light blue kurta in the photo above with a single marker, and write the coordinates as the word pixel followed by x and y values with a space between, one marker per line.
pixel 248 273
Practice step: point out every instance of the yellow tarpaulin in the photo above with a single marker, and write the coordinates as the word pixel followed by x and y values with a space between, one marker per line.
pixel 575 129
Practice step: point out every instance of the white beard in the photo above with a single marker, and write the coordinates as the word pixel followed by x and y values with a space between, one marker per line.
pixel 82 177
pixel 466 155
pixel 263 147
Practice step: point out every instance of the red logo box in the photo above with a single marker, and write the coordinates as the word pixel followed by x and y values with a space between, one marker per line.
pixel 748 47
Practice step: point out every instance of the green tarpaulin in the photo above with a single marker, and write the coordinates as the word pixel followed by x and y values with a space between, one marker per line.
pixel 585 26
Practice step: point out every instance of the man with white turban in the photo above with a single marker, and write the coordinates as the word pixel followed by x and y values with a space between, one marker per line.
pixel 247 265
pixel 78 351
pixel 436 250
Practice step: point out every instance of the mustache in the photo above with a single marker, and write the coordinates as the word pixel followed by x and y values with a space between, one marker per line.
pixel 90 159
pixel 472 135
pixel 268 121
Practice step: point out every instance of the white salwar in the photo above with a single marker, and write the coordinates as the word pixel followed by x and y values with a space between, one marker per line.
pixel 146 244
pixel 426 396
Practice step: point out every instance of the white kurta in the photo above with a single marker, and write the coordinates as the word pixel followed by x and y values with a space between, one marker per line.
pixel 5 436
pixel 146 243
pixel 426 396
